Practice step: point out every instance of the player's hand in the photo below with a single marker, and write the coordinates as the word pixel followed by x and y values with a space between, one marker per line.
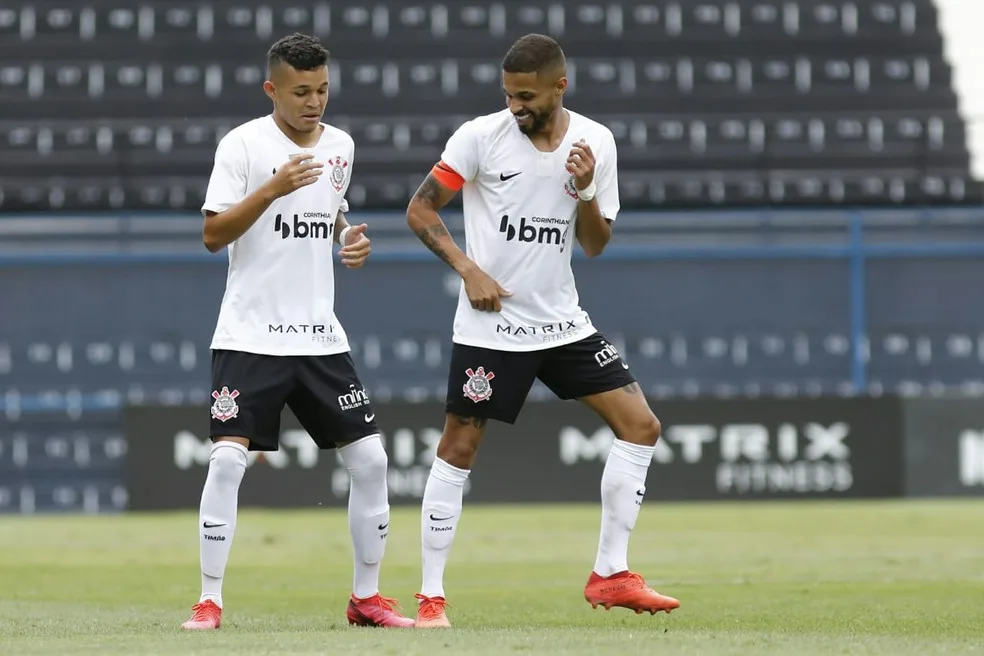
pixel 581 163
pixel 356 248
pixel 484 293
pixel 300 171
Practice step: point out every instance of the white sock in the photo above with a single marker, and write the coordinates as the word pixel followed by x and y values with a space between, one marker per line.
pixel 368 511
pixel 440 512
pixel 217 514
pixel 623 485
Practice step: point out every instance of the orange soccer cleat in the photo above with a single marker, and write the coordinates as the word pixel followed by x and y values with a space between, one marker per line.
pixel 376 611
pixel 626 590
pixel 430 613
pixel 206 615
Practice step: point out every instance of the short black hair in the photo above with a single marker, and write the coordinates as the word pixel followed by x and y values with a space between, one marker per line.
pixel 533 53
pixel 300 51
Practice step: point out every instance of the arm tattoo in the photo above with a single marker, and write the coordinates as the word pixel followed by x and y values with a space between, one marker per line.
pixel 431 236
pixel 477 422
pixel 429 193
pixel 429 190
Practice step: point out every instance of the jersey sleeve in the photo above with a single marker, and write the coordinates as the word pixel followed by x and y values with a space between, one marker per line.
pixel 606 177
pixel 459 161
pixel 343 205
pixel 227 184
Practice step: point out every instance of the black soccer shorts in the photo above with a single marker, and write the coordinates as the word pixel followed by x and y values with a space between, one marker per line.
pixel 250 392
pixel 494 384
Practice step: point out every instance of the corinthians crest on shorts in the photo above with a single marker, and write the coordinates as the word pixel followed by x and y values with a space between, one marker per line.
pixel 478 388
pixel 225 406
pixel 338 172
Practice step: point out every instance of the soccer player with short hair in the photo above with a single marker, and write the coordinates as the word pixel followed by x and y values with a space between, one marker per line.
pixel 277 340
pixel 534 178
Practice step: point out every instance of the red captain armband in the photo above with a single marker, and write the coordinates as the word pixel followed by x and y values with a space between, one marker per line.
pixel 447 176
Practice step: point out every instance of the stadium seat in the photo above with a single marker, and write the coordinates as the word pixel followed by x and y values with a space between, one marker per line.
pixel 767 102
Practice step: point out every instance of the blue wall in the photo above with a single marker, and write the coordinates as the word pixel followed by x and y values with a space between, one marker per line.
pixel 759 314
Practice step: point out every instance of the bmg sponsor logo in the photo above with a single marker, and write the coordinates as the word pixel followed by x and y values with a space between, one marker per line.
pixel 298 228
pixel 538 229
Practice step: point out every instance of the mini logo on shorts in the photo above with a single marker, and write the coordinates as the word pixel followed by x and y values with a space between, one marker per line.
pixel 355 398
pixel 607 355
pixel 338 166
pixel 478 388
pixel 225 406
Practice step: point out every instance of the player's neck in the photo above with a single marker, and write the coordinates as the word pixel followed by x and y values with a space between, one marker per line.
pixel 550 137
pixel 302 139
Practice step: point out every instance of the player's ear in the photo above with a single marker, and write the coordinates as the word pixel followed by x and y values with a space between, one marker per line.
pixel 561 86
pixel 269 89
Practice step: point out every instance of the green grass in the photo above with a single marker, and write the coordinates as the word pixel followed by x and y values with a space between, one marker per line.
pixel 769 578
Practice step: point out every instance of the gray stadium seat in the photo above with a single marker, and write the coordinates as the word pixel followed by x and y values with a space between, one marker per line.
pixel 714 102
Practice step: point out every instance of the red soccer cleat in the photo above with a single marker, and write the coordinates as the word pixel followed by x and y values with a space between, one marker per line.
pixel 626 590
pixel 430 613
pixel 206 615
pixel 376 611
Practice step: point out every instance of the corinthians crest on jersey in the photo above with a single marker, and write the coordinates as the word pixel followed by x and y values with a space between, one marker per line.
pixel 570 188
pixel 339 170
pixel 478 387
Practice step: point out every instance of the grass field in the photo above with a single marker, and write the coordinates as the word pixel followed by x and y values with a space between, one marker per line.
pixel 806 578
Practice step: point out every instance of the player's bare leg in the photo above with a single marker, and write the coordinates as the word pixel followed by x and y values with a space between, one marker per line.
pixel 441 511
pixel 623 486
pixel 217 526
pixel 369 519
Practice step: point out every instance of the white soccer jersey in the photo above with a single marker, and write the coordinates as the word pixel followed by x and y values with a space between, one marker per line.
pixel 280 287
pixel 520 205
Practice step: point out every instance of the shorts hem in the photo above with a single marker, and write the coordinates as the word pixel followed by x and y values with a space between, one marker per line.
pixel 466 411
pixel 255 443
pixel 600 388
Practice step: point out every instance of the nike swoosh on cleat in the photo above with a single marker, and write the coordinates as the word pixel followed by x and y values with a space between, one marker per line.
pixel 211 525
pixel 440 519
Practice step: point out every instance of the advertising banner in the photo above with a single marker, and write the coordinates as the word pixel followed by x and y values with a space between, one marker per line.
pixel 944 447
pixel 711 449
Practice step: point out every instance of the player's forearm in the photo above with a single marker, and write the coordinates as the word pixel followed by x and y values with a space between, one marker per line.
pixel 222 229
pixel 593 230
pixel 340 224
pixel 430 229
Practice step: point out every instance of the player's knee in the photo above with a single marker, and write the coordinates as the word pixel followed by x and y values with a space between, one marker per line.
pixel 645 431
pixel 458 449
pixel 227 462
pixel 651 429
pixel 366 459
